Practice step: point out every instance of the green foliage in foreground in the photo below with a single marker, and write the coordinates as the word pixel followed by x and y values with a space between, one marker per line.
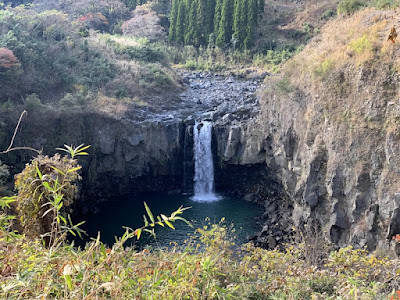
pixel 206 267
pixel 46 187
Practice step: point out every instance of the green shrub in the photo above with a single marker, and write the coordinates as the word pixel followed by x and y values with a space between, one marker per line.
pixel 120 92
pixel 4 174
pixel 190 64
pixel 8 105
pixel 139 49
pixel 32 102
pixel 154 75
pixel 361 45
pixel 323 285
pixel 328 14
pixel 34 194
pixel 145 54
pixel 386 4
pixel 307 28
pixel 324 68
pixel 273 58
pixel 284 86
pixel 98 71
pixel 350 6
pixel 70 100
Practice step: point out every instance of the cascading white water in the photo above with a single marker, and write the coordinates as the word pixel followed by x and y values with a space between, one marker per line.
pixel 204 167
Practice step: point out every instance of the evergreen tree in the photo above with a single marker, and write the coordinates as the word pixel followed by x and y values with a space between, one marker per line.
pixel 180 22
pixel 209 17
pixel 240 21
pixel 14 3
pixel 192 21
pixel 217 16
pixel 131 4
pixel 211 41
pixel 260 6
pixel 251 25
pixel 173 21
pixel 191 35
pixel 226 22
pixel 201 23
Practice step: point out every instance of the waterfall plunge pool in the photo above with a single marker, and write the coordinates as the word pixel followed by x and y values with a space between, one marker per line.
pixel 206 206
pixel 129 210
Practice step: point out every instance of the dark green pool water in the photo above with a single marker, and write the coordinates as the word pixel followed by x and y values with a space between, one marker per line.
pixel 128 211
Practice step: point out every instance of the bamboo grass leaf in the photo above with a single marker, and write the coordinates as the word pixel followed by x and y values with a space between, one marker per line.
pixel 138 232
pixel 149 212
pixel 74 169
pixel 38 172
pixel 169 224
pixel 58 170
pixel 146 223
pixel 184 220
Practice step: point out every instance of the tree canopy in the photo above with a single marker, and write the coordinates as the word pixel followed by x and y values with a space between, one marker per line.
pixel 193 21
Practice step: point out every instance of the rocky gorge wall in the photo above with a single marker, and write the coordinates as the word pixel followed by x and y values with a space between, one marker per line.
pixel 334 160
pixel 125 156
pixel 331 133
pixel 337 159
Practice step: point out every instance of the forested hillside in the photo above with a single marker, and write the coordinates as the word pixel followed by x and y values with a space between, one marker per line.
pixel 68 58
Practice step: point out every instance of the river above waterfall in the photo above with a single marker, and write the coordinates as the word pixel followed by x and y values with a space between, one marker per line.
pixel 129 210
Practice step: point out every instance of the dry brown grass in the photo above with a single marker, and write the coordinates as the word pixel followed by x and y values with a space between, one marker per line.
pixel 357 40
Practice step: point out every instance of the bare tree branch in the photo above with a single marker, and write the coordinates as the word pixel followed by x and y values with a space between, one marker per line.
pixel 10 147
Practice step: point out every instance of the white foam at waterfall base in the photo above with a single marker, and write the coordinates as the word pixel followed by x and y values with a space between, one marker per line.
pixel 204 166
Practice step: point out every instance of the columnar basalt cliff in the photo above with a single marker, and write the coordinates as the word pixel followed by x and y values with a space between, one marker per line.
pixel 329 131
pixel 125 156
pixel 247 167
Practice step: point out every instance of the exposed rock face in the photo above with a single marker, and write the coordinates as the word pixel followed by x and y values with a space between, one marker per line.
pixel 337 158
pixel 125 156
pixel 341 172
pixel 332 137
pixel 247 167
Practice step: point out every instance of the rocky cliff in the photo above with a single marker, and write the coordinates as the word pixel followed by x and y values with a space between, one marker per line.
pixel 125 156
pixel 329 131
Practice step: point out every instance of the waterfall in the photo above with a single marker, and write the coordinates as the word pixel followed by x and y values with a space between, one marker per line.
pixel 204 167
